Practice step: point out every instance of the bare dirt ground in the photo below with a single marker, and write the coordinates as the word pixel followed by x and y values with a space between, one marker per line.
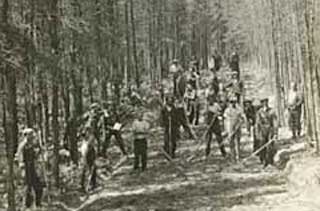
pixel 215 184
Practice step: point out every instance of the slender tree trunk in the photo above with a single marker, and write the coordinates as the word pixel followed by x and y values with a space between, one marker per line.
pixel 134 44
pixel 55 86
pixel 128 43
pixel 10 114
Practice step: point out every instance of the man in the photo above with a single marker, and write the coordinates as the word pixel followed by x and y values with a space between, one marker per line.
pixel 183 118
pixel 235 87
pixel 234 117
pixel 29 152
pixel 214 115
pixel 215 82
pixel 140 129
pixel 267 130
pixel 180 84
pixel 234 63
pixel 193 78
pixel 70 139
pixel 171 125
pixel 191 96
pixel 222 94
pixel 88 157
pixel 94 122
pixel 195 64
pixel 211 95
pixel 256 104
pixel 175 69
pixel 191 101
pixel 295 101
pixel 250 114
pixel 112 127
pixel 217 59
pixel 135 97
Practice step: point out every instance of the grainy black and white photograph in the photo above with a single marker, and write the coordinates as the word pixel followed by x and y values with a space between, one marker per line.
pixel 159 105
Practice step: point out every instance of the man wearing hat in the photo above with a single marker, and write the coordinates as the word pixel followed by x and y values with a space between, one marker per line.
pixel 175 70
pixel 234 63
pixel 140 129
pixel 70 138
pixel 267 129
pixel 234 117
pixel 193 87
pixel 94 121
pixel 171 124
pixel 29 153
pixel 250 114
pixel 194 63
pixel 235 87
pixel 217 61
pixel 215 113
pixel 112 127
pixel 191 98
pixel 295 101
pixel 180 83
pixel 88 157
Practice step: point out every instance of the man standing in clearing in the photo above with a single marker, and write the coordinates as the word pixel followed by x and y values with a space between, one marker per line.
pixel 250 114
pixel 140 129
pixel 88 155
pixel 295 101
pixel 267 130
pixel 29 151
pixel 213 121
pixel 234 63
pixel 234 118
pixel 217 61
pixel 171 124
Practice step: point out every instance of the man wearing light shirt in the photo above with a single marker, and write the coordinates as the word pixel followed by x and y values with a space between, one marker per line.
pixel 140 129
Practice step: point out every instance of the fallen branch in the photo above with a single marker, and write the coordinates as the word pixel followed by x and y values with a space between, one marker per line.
pixel 202 139
pixel 179 168
pixel 227 139
pixel 258 150
pixel 116 168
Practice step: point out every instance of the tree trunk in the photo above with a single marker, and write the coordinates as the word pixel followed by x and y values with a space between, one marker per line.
pixel 134 45
pixel 10 117
pixel 55 86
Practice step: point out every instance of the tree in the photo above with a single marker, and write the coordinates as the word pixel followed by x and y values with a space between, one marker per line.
pixel 10 104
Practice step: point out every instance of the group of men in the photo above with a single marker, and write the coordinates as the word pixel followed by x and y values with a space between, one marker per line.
pixel 226 112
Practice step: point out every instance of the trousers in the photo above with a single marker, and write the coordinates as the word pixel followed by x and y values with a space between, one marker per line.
pixel 140 154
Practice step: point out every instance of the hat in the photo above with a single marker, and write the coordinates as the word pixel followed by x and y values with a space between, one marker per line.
pixel 94 106
pixel 170 100
pixel 174 61
pixel 265 99
pixel 247 101
pixel 27 131
pixel 232 99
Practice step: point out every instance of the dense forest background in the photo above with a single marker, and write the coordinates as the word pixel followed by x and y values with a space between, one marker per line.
pixel 57 57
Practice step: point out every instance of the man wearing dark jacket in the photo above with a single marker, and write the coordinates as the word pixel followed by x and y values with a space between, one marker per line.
pixel 30 154
pixel 267 129
pixel 213 120
pixel 171 124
